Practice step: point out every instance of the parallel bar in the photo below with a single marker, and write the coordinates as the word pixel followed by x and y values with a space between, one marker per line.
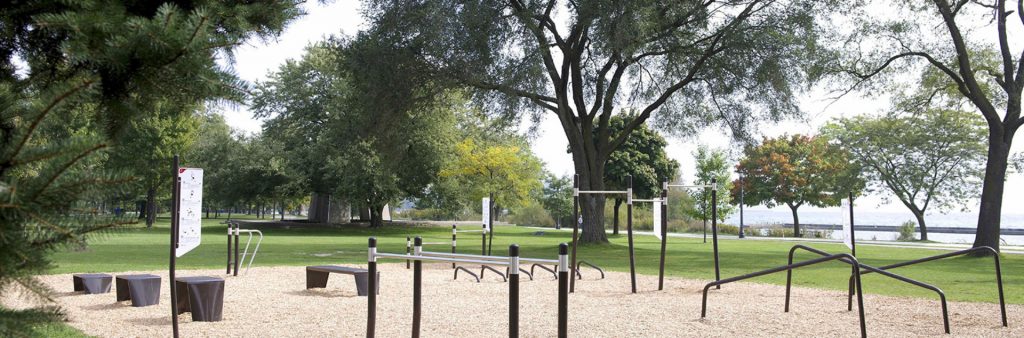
pixel 942 295
pixel 454 241
pixel 440 259
pixel 408 250
pixel 995 256
pixel 495 258
pixel 229 249
pixel 237 235
pixel 705 186
pixel 856 268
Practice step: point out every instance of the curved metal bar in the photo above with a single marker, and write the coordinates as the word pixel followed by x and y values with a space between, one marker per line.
pixel 467 271
pixel 552 271
pixel 528 274
pixel 868 268
pixel 995 256
pixel 856 268
pixel 590 265
pixel 254 251
pixel 485 267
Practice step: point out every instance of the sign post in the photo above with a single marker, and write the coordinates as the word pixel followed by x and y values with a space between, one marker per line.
pixel 657 219
pixel 186 222
pixel 847 213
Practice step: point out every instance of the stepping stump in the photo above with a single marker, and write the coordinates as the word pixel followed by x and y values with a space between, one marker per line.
pixel 91 283
pixel 142 290
pixel 203 296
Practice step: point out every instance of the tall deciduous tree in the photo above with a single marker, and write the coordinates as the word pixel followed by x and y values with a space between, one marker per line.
pixel 643 157
pixel 556 197
pixel 797 170
pixel 972 44
pixel 711 164
pixel 929 158
pixel 362 129
pixel 151 140
pixel 695 64
pixel 509 171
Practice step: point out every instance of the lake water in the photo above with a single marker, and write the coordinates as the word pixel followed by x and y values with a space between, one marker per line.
pixel 875 217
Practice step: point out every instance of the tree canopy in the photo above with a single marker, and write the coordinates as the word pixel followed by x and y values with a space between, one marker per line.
pixel 695 64
pixel 796 170
pixel 932 158
pixel 643 157
pixel 711 164
pixel 969 45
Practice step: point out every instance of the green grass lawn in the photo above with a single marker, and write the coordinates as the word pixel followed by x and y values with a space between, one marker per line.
pixel 963 279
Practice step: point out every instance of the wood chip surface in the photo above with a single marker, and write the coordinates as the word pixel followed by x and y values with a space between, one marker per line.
pixel 273 302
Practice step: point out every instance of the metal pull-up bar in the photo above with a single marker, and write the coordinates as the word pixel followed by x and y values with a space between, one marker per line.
pixel 576 192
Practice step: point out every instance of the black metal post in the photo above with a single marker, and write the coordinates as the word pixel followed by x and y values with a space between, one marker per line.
pixel 576 220
pixel 741 204
pixel 453 242
pixel 714 227
pixel 417 287
pixel 490 224
pixel 371 282
pixel 408 249
pixel 853 239
pixel 629 232
pixel 563 290
pixel 238 236
pixel 704 214
pixel 176 183
pixel 513 291
pixel 664 235
pixel 229 249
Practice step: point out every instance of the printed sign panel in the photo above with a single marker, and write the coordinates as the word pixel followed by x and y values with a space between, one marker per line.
pixel 657 220
pixel 847 227
pixel 486 211
pixel 190 203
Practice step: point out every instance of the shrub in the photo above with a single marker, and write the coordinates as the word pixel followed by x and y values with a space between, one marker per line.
pixel 532 214
pixel 907 231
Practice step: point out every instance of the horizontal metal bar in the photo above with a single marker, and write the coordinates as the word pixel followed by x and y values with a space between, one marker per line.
pixel 624 192
pixel 440 259
pixel 497 258
pixel 657 200
pixel 689 186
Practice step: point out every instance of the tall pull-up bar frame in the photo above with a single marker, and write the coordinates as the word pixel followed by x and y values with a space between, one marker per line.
pixel 576 192
pixel 714 225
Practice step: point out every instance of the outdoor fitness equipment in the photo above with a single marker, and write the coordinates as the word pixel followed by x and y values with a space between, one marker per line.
pixel 714 225
pixel 659 206
pixel 511 262
pixel 859 269
pixel 576 192
pixel 850 240
pixel 483 250
pixel 237 259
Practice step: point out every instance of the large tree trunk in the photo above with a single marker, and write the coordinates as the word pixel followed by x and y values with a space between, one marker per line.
pixel 992 191
pixel 796 219
pixel 376 219
pixel 150 207
pixel 591 173
pixel 919 214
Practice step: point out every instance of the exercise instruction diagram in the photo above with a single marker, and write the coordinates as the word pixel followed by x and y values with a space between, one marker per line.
pixel 190 203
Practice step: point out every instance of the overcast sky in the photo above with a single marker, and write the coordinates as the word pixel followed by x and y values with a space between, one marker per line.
pixel 255 60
